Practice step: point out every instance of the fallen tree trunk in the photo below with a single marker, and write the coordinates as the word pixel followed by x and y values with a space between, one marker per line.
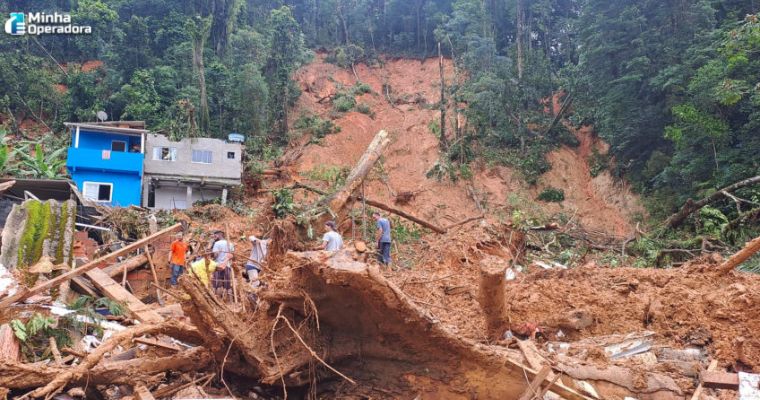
pixel 402 214
pixel 116 270
pixel 23 294
pixel 81 370
pixel 337 201
pixel 739 257
pixel 27 376
pixel 691 206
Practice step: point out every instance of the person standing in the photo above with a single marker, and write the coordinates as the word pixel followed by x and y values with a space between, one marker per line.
pixel 383 237
pixel 331 240
pixel 259 251
pixel 222 250
pixel 177 258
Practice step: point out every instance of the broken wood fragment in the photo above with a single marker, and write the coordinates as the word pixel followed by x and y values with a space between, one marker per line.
pixel 23 294
pixel 749 249
pixel 719 380
pixel 700 387
pixel 125 266
pixel 401 213
pixel 142 393
pixel 10 348
pixel 157 343
pixel 534 388
pixel 54 350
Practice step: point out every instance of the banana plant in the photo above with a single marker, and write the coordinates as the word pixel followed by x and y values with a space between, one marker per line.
pixel 41 164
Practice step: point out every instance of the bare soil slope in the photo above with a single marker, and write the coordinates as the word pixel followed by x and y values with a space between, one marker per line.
pixel 597 203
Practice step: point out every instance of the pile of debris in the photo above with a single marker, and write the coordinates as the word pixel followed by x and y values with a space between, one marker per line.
pixel 466 324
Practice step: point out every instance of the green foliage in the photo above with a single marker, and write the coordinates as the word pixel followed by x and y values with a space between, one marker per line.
pixel 34 335
pixel 553 195
pixel 41 164
pixel 334 175
pixel 365 109
pixel 598 162
pixel 404 232
pixel 283 202
pixel 711 221
pixel 316 126
pixel 343 102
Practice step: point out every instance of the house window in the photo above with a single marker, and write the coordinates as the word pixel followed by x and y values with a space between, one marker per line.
pixel 98 191
pixel 118 145
pixel 165 154
pixel 230 155
pixel 202 156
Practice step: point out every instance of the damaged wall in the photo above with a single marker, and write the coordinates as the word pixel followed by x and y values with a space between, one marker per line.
pixel 35 229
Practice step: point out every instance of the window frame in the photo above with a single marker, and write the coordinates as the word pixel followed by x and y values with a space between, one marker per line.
pixel 231 153
pixel 119 141
pixel 110 193
pixel 210 153
pixel 172 150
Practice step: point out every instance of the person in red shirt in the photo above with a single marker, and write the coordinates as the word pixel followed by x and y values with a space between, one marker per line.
pixel 177 258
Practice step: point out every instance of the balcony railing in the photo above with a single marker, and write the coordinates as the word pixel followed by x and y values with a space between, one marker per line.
pixel 105 160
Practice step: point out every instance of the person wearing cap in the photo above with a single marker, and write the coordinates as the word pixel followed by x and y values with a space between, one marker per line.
pixel 331 240
pixel 222 250
pixel 177 258
pixel 258 254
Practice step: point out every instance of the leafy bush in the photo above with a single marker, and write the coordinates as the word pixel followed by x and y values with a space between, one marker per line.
pixel 317 126
pixel 364 109
pixel 553 195
pixel 361 88
pixel 283 202
pixel 598 162
pixel 333 175
pixel 343 102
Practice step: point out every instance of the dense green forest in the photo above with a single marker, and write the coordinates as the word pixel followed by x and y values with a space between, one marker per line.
pixel 673 86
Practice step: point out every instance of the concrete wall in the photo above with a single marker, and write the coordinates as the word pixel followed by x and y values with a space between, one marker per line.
pixel 175 197
pixel 126 186
pixel 220 167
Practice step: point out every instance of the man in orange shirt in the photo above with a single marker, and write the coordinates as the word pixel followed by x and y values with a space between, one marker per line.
pixel 177 258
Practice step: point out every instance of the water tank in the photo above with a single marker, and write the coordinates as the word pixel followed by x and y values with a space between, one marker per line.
pixel 235 137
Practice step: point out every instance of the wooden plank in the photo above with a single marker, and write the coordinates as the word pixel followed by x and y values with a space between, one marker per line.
pixel 155 276
pixel 719 380
pixel 698 391
pixel 136 308
pixel 142 393
pixel 23 294
pixel 157 343
pixel 534 388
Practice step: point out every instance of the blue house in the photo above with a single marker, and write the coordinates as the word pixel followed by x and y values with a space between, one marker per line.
pixel 105 161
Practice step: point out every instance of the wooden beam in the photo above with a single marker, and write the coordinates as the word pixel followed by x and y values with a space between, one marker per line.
pixel 136 308
pixel 23 294
pixel 534 388
pixel 700 387
pixel 719 380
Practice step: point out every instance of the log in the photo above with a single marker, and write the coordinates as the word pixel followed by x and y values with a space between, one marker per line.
pixel 740 256
pixel 127 265
pixel 492 291
pixel 23 294
pixel 691 206
pixel 337 201
pixel 402 214
pixel 83 368
pixel 10 348
pixel 155 276
pixel 27 376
